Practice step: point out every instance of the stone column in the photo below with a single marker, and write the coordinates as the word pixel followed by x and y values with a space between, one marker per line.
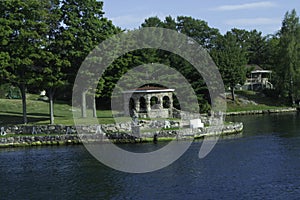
pixel 160 101
pixel 171 106
pixel 137 104
pixel 171 101
pixel 148 104
pixel 126 104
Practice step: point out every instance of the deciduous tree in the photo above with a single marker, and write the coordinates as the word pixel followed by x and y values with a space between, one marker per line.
pixel 231 59
pixel 22 29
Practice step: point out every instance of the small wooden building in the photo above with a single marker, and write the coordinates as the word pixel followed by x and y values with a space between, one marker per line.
pixel 258 78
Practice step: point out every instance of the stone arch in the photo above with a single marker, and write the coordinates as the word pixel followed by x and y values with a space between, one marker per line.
pixel 143 105
pixel 154 102
pixel 131 105
pixel 166 102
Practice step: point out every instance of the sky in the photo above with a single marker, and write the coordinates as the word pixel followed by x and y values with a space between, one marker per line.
pixel 265 16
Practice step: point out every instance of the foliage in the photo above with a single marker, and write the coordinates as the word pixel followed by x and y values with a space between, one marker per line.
pixel 231 60
pixel 23 27
pixel 43 44
pixel 194 28
pixel 288 69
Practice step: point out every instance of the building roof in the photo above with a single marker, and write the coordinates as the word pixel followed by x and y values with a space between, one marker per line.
pixel 149 89
pixel 261 71
pixel 256 69
pixel 253 67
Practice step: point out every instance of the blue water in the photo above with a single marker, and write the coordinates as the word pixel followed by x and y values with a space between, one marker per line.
pixel 262 163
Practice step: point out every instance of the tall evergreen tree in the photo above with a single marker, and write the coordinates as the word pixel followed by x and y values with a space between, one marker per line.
pixel 253 43
pixel 288 69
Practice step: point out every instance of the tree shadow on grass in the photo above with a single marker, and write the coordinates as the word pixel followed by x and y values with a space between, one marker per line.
pixel 6 119
pixel 260 98
pixel 32 114
pixel 43 114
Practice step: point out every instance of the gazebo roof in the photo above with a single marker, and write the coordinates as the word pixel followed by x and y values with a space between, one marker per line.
pixel 256 69
pixel 261 72
pixel 253 67
pixel 149 89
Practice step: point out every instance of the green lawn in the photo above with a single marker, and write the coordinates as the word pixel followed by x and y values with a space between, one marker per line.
pixel 231 107
pixel 38 112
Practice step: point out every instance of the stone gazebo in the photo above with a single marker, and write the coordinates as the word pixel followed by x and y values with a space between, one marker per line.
pixel 148 101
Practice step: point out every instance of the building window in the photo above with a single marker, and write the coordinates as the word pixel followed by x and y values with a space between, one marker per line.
pixel 154 102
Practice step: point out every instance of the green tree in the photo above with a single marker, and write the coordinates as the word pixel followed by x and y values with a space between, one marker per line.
pixel 5 32
pixel 4 65
pixel 198 30
pixel 22 29
pixel 288 69
pixel 82 28
pixel 152 22
pixel 231 59
pixel 52 64
pixel 168 23
pixel 268 55
pixel 253 43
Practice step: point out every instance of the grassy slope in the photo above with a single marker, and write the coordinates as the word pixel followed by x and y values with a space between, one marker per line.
pixel 38 112
pixel 263 103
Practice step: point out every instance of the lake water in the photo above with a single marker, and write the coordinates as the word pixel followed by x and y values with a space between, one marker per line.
pixel 262 163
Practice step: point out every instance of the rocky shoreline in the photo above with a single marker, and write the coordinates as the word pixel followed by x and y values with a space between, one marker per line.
pixel 255 112
pixel 23 138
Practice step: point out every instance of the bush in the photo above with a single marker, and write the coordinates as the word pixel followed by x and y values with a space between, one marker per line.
pixel 271 93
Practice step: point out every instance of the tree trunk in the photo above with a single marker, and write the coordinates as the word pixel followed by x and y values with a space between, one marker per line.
pixel 23 93
pixel 292 99
pixel 51 107
pixel 232 94
pixel 291 92
pixel 83 104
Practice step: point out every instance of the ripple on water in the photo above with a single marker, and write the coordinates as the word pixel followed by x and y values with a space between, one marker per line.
pixel 263 163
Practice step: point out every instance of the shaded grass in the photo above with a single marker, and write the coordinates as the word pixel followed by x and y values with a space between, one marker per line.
pixel 231 107
pixel 263 102
pixel 260 98
pixel 23 135
pixel 38 113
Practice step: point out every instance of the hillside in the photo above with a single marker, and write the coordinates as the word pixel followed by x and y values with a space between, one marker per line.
pixel 38 112
pixel 250 100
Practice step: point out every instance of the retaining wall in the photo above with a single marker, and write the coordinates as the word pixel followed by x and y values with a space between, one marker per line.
pixel 60 134
pixel 270 111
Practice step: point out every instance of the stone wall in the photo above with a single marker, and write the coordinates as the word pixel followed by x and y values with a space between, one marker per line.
pixel 255 112
pixel 120 132
pixel 144 126
pixel 15 141
pixel 62 129
pixel 106 128
pixel 159 113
